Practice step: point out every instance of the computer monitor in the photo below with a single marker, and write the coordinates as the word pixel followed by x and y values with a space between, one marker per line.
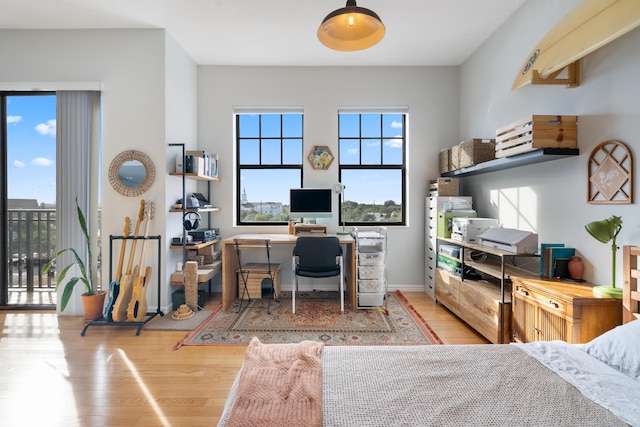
pixel 310 203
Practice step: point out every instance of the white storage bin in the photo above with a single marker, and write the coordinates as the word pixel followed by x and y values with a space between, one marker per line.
pixel 375 258
pixel 370 300
pixel 371 245
pixel 374 285
pixel 370 272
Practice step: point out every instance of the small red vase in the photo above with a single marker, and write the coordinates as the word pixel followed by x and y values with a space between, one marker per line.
pixel 576 268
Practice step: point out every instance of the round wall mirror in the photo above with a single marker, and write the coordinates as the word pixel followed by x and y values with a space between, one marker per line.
pixel 131 173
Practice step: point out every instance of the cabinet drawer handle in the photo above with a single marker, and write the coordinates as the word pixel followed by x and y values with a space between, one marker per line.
pixel 554 304
pixel 523 292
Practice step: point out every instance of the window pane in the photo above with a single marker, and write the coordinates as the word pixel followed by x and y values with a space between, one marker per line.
pixel 349 125
pixel 249 125
pixel 371 125
pixel 271 125
pixel 265 193
pixel 292 125
pixel 349 152
pixel 392 125
pixel 270 152
pixel 249 152
pixel 371 152
pixel 372 195
pixel 292 152
pixel 392 152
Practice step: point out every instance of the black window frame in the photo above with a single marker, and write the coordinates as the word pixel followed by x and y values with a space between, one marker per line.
pixel 260 166
pixel 368 166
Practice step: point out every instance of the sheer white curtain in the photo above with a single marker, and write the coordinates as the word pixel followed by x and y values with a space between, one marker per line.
pixel 77 153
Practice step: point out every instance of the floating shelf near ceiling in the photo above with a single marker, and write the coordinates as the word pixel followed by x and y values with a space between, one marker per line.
pixel 528 158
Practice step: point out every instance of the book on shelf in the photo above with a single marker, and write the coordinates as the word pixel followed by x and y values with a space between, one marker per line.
pixel 549 256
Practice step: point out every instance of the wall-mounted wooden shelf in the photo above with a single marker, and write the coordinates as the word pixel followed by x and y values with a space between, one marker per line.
pixel 528 158
pixel 198 245
pixel 196 176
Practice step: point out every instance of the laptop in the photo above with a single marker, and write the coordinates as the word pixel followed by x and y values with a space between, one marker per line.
pixel 204 203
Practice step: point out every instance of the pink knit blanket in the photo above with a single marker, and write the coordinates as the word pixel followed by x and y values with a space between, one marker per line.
pixel 279 385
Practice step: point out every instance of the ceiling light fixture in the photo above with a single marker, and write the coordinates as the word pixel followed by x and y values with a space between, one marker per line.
pixel 351 28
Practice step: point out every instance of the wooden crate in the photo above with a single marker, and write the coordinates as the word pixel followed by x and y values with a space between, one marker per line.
pixel 472 152
pixel 444 161
pixel 534 132
pixel 254 282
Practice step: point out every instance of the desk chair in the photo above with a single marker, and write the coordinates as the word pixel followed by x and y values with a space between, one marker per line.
pixel 245 270
pixel 316 257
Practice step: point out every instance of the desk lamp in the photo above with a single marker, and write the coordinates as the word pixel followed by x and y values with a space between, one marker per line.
pixel 339 188
pixel 606 231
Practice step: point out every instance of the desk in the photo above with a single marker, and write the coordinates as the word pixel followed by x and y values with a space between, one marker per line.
pixel 230 264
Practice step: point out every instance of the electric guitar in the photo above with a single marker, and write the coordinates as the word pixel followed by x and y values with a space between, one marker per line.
pixel 138 306
pixel 114 286
pixel 119 312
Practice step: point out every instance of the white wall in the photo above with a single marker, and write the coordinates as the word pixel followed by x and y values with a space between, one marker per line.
pixel 551 198
pixel 131 65
pixel 431 93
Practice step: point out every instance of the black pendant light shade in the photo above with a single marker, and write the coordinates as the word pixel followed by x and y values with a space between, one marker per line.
pixel 351 28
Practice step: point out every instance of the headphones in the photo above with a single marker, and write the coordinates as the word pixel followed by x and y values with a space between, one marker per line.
pixel 191 220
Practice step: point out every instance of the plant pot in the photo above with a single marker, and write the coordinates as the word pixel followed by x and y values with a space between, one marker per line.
pixel 93 305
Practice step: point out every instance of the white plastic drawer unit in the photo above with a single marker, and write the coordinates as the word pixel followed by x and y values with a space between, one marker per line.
pixel 371 271
pixel 372 285
pixel 370 241
pixel 371 258
pixel 370 300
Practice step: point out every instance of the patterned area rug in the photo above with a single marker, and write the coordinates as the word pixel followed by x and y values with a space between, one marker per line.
pixel 317 318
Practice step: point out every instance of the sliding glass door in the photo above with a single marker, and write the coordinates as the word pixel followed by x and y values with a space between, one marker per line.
pixel 28 139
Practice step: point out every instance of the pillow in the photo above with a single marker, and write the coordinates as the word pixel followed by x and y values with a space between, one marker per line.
pixel 619 348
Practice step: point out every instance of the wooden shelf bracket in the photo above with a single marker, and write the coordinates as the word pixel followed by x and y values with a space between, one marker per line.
pixel 571 80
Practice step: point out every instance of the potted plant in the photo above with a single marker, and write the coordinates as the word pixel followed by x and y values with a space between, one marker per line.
pixel 92 300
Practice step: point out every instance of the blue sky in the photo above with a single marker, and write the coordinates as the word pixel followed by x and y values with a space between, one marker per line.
pixel 377 186
pixel 31 152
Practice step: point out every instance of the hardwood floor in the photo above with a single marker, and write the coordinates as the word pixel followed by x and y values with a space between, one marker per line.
pixel 52 376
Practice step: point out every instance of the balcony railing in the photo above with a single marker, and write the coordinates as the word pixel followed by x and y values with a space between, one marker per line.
pixel 31 244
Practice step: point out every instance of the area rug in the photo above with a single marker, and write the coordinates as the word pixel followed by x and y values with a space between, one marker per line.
pixel 317 318
pixel 166 323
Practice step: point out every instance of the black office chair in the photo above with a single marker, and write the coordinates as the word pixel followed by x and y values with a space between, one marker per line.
pixel 317 257
pixel 264 271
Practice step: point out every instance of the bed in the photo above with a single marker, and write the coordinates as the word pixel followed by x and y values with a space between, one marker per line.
pixel 541 383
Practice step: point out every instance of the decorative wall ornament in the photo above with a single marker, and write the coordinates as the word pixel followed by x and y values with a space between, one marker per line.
pixel 320 157
pixel 610 170
pixel 131 173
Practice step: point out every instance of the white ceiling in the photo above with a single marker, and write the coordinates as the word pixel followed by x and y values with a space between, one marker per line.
pixel 280 32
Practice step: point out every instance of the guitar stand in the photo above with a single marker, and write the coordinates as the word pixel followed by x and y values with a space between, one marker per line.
pixel 149 315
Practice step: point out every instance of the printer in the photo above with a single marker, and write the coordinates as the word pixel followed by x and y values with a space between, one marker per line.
pixel 510 240
pixel 467 229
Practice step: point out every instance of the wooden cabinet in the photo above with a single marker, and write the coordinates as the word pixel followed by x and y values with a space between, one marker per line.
pixel 549 309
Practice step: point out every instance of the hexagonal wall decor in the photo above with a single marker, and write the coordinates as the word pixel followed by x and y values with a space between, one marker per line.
pixel 320 157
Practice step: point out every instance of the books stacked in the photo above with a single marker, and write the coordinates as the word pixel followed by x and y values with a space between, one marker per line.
pixel 198 162
pixel 554 258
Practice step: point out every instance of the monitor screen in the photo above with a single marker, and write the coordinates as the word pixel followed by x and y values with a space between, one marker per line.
pixel 310 202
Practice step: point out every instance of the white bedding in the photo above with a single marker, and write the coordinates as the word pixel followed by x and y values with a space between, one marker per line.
pixel 472 385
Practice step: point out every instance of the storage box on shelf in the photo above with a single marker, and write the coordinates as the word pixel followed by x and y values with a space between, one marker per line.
pixel 444 187
pixel 371 250
pixel 444 161
pixel 472 152
pixel 485 305
pixel 534 132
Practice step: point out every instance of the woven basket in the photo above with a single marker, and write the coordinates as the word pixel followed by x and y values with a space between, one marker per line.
pixel 472 152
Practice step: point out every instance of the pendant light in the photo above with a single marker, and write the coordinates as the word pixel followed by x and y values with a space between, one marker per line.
pixel 351 28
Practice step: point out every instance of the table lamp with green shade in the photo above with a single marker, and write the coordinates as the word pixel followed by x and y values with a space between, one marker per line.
pixel 606 231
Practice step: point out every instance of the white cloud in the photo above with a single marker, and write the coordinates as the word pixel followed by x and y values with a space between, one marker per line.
pixel 14 119
pixel 41 161
pixel 18 164
pixel 352 151
pixel 396 125
pixel 373 144
pixel 48 128
pixel 393 143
